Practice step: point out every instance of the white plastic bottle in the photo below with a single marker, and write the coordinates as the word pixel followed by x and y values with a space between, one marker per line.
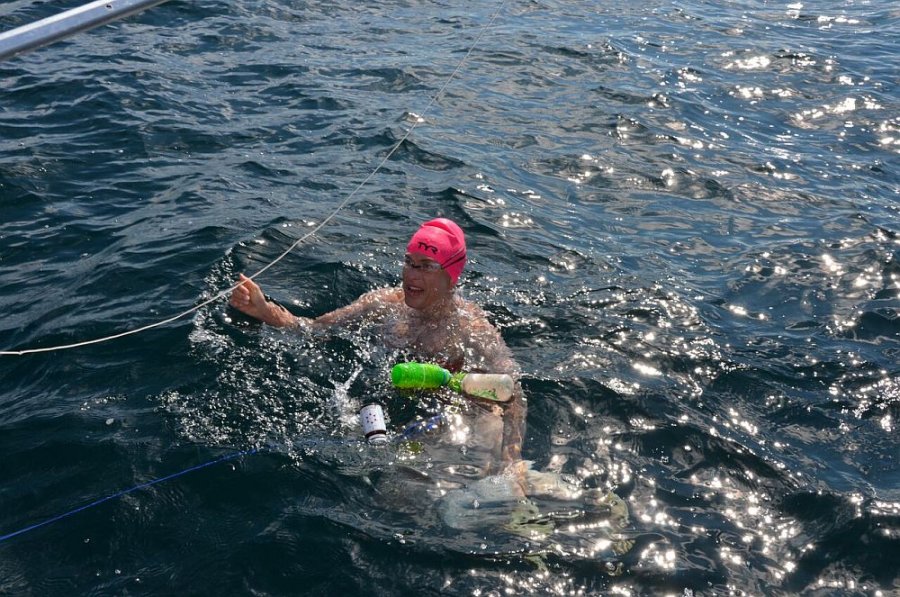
pixel 497 387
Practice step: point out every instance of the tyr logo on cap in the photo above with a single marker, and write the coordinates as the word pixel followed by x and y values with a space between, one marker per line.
pixel 442 240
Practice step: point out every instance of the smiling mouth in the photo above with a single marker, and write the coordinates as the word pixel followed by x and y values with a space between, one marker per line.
pixel 413 289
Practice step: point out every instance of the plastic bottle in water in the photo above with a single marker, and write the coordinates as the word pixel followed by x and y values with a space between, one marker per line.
pixel 498 387
pixel 489 386
pixel 419 376
pixel 371 416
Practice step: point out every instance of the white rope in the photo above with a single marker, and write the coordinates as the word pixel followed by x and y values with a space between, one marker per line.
pixel 294 245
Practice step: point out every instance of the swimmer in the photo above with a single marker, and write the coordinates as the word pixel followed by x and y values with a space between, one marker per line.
pixel 425 317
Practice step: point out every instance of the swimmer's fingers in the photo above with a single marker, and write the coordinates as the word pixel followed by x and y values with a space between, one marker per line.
pixel 241 294
pixel 516 472
pixel 248 296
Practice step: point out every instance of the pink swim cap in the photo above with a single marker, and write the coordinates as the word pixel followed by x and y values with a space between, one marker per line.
pixel 443 241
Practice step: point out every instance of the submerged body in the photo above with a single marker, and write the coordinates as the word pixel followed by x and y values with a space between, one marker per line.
pixel 459 458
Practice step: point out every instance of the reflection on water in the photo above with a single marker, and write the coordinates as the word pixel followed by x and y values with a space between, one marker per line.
pixel 650 468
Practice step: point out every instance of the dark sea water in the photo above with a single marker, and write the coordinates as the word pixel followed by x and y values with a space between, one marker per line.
pixel 683 217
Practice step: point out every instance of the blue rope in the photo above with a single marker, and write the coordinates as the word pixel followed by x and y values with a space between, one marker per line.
pixel 119 494
pixel 420 428
pixel 416 429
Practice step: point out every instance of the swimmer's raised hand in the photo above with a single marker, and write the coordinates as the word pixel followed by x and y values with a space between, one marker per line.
pixel 248 298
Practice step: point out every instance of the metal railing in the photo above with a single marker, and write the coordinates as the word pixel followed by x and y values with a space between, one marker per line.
pixel 70 22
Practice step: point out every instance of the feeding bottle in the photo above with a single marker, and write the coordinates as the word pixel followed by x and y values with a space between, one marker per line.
pixel 498 387
pixel 419 376
pixel 490 386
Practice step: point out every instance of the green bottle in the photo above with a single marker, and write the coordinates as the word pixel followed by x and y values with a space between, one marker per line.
pixel 420 376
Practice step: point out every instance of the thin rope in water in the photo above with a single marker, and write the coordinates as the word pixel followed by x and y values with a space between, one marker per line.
pixel 124 492
pixel 295 244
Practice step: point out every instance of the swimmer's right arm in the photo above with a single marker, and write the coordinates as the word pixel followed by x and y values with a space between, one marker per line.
pixel 248 298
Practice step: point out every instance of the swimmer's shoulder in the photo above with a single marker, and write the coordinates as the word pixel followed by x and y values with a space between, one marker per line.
pixel 471 311
pixel 389 294
pixel 382 297
pixel 374 304
pixel 475 324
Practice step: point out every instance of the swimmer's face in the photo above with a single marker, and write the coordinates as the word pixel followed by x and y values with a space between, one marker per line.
pixel 425 283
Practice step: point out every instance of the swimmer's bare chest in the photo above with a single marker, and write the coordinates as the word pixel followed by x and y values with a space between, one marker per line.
pixel 436 341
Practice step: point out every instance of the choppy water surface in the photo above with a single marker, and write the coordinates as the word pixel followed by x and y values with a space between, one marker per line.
pixel 682 216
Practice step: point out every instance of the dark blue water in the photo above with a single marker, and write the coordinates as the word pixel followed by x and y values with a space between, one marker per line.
pixel 682 216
